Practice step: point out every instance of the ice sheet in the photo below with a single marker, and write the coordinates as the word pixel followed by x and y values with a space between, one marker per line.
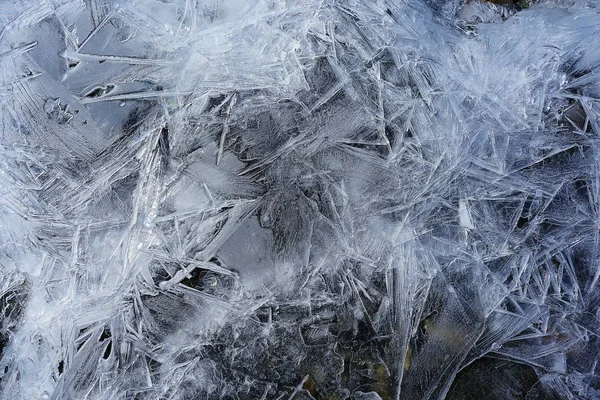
pixel 299 199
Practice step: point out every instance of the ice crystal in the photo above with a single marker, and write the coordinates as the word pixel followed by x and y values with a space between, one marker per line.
pixel 265 199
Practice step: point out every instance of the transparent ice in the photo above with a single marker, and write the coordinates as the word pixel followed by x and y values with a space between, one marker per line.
pixel 299 199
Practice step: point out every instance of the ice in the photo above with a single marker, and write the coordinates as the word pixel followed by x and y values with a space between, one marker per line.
pixel 299 200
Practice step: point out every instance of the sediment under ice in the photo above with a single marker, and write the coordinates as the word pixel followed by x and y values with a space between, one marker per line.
pixel 299 199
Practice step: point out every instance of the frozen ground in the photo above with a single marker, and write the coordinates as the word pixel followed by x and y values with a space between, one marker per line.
pixel 299 199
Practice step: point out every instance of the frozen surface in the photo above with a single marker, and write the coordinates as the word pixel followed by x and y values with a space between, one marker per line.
pixel 299 199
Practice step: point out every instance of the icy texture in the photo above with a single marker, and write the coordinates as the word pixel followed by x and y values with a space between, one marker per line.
pixel 270 199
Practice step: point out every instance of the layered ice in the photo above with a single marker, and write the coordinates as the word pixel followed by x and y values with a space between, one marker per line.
pixel 299 199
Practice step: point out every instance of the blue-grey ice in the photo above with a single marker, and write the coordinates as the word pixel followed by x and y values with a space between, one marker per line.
pixel 299 199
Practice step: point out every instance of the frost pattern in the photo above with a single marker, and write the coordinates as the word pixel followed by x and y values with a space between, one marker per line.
pixel 299 199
